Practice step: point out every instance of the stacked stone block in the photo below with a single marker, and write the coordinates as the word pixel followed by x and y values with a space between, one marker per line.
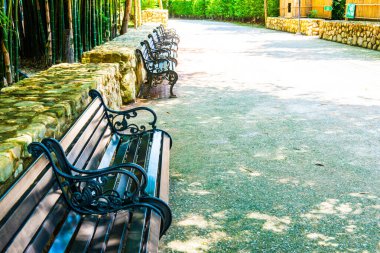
pixel 155 16
pixel 355 33
pixel 309 27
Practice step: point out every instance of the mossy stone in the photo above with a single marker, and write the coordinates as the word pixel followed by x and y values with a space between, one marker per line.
pixel 6 166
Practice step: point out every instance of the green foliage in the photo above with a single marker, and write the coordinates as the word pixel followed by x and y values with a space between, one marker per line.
pixel 312 14
pixel 242 10
pixel 338 9
pixel 149 4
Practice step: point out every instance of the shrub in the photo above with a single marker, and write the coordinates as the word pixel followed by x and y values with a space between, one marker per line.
pixel 244 10
pixel 338 9
pixel 312 14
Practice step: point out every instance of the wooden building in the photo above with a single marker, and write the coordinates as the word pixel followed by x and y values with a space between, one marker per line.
pixel 308 8
pixel 365 9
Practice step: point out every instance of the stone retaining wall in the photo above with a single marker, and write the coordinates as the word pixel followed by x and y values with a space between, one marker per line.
pixel 309 27
pixel 46 105
pixel 355 33
pixel 156 16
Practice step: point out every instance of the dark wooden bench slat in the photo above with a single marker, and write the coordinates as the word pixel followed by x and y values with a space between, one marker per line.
pixel 101 149
pixel 32 225
pixel 110 151
pixel 99 242
pixel 21 213
pixel 153 233
pixel 118 233
pixel 55 217
pixel 66 232
pixel 135 237
pixel 83 120
pixel 88 132
pixel 91 145
pixel 84 236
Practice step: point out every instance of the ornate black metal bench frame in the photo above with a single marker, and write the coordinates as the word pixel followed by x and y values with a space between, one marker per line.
pixel 158 70
pixel 156 42
pixel 171 33
pixel 166 36
pixel 118 209
pixel 159 53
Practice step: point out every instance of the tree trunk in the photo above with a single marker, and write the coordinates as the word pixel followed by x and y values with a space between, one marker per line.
pixel 70 40
pixel 127 11
pixel 265 11
pixel 49 43
pixel 140 12
pixel 7 63
pixel 160 4
pixel 136 13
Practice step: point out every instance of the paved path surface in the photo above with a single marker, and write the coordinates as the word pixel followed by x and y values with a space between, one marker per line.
pixel 276 143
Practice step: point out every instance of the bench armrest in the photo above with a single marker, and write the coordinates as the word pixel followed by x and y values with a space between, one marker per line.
pixel 160 64
pixel 84 190
pixel 127 122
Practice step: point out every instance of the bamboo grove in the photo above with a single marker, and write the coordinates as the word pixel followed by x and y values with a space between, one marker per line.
pixel 53 31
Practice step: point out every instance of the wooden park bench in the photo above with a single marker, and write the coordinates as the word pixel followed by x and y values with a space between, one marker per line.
pixel 109 191
pixel 158 69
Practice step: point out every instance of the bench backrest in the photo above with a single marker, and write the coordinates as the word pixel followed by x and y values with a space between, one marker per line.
pixel 33 207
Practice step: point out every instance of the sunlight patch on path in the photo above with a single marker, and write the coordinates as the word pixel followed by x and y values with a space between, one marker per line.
pixel 197 244
pixel 333 207
pixel 272 223
pixel 196 221
pixel 323 240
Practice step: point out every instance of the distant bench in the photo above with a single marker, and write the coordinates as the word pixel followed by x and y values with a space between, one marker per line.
pixel 86 208
pixel 159 57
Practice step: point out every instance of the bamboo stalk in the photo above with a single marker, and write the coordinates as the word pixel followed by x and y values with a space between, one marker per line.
pixel 49 44
pixel 101 20
pixel 53 33
pixel 10 30
pixel 7 62
pixel 62 29
pixel 75 29
pixel 70 41
pixel 41 27
pixel 80 44
pixel 94 31
pixel 17 43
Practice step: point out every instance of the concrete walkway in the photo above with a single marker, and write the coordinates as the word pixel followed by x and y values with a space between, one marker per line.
pixel 276 143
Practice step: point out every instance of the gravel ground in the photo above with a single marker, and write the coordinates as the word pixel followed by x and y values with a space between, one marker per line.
pixel 276 143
